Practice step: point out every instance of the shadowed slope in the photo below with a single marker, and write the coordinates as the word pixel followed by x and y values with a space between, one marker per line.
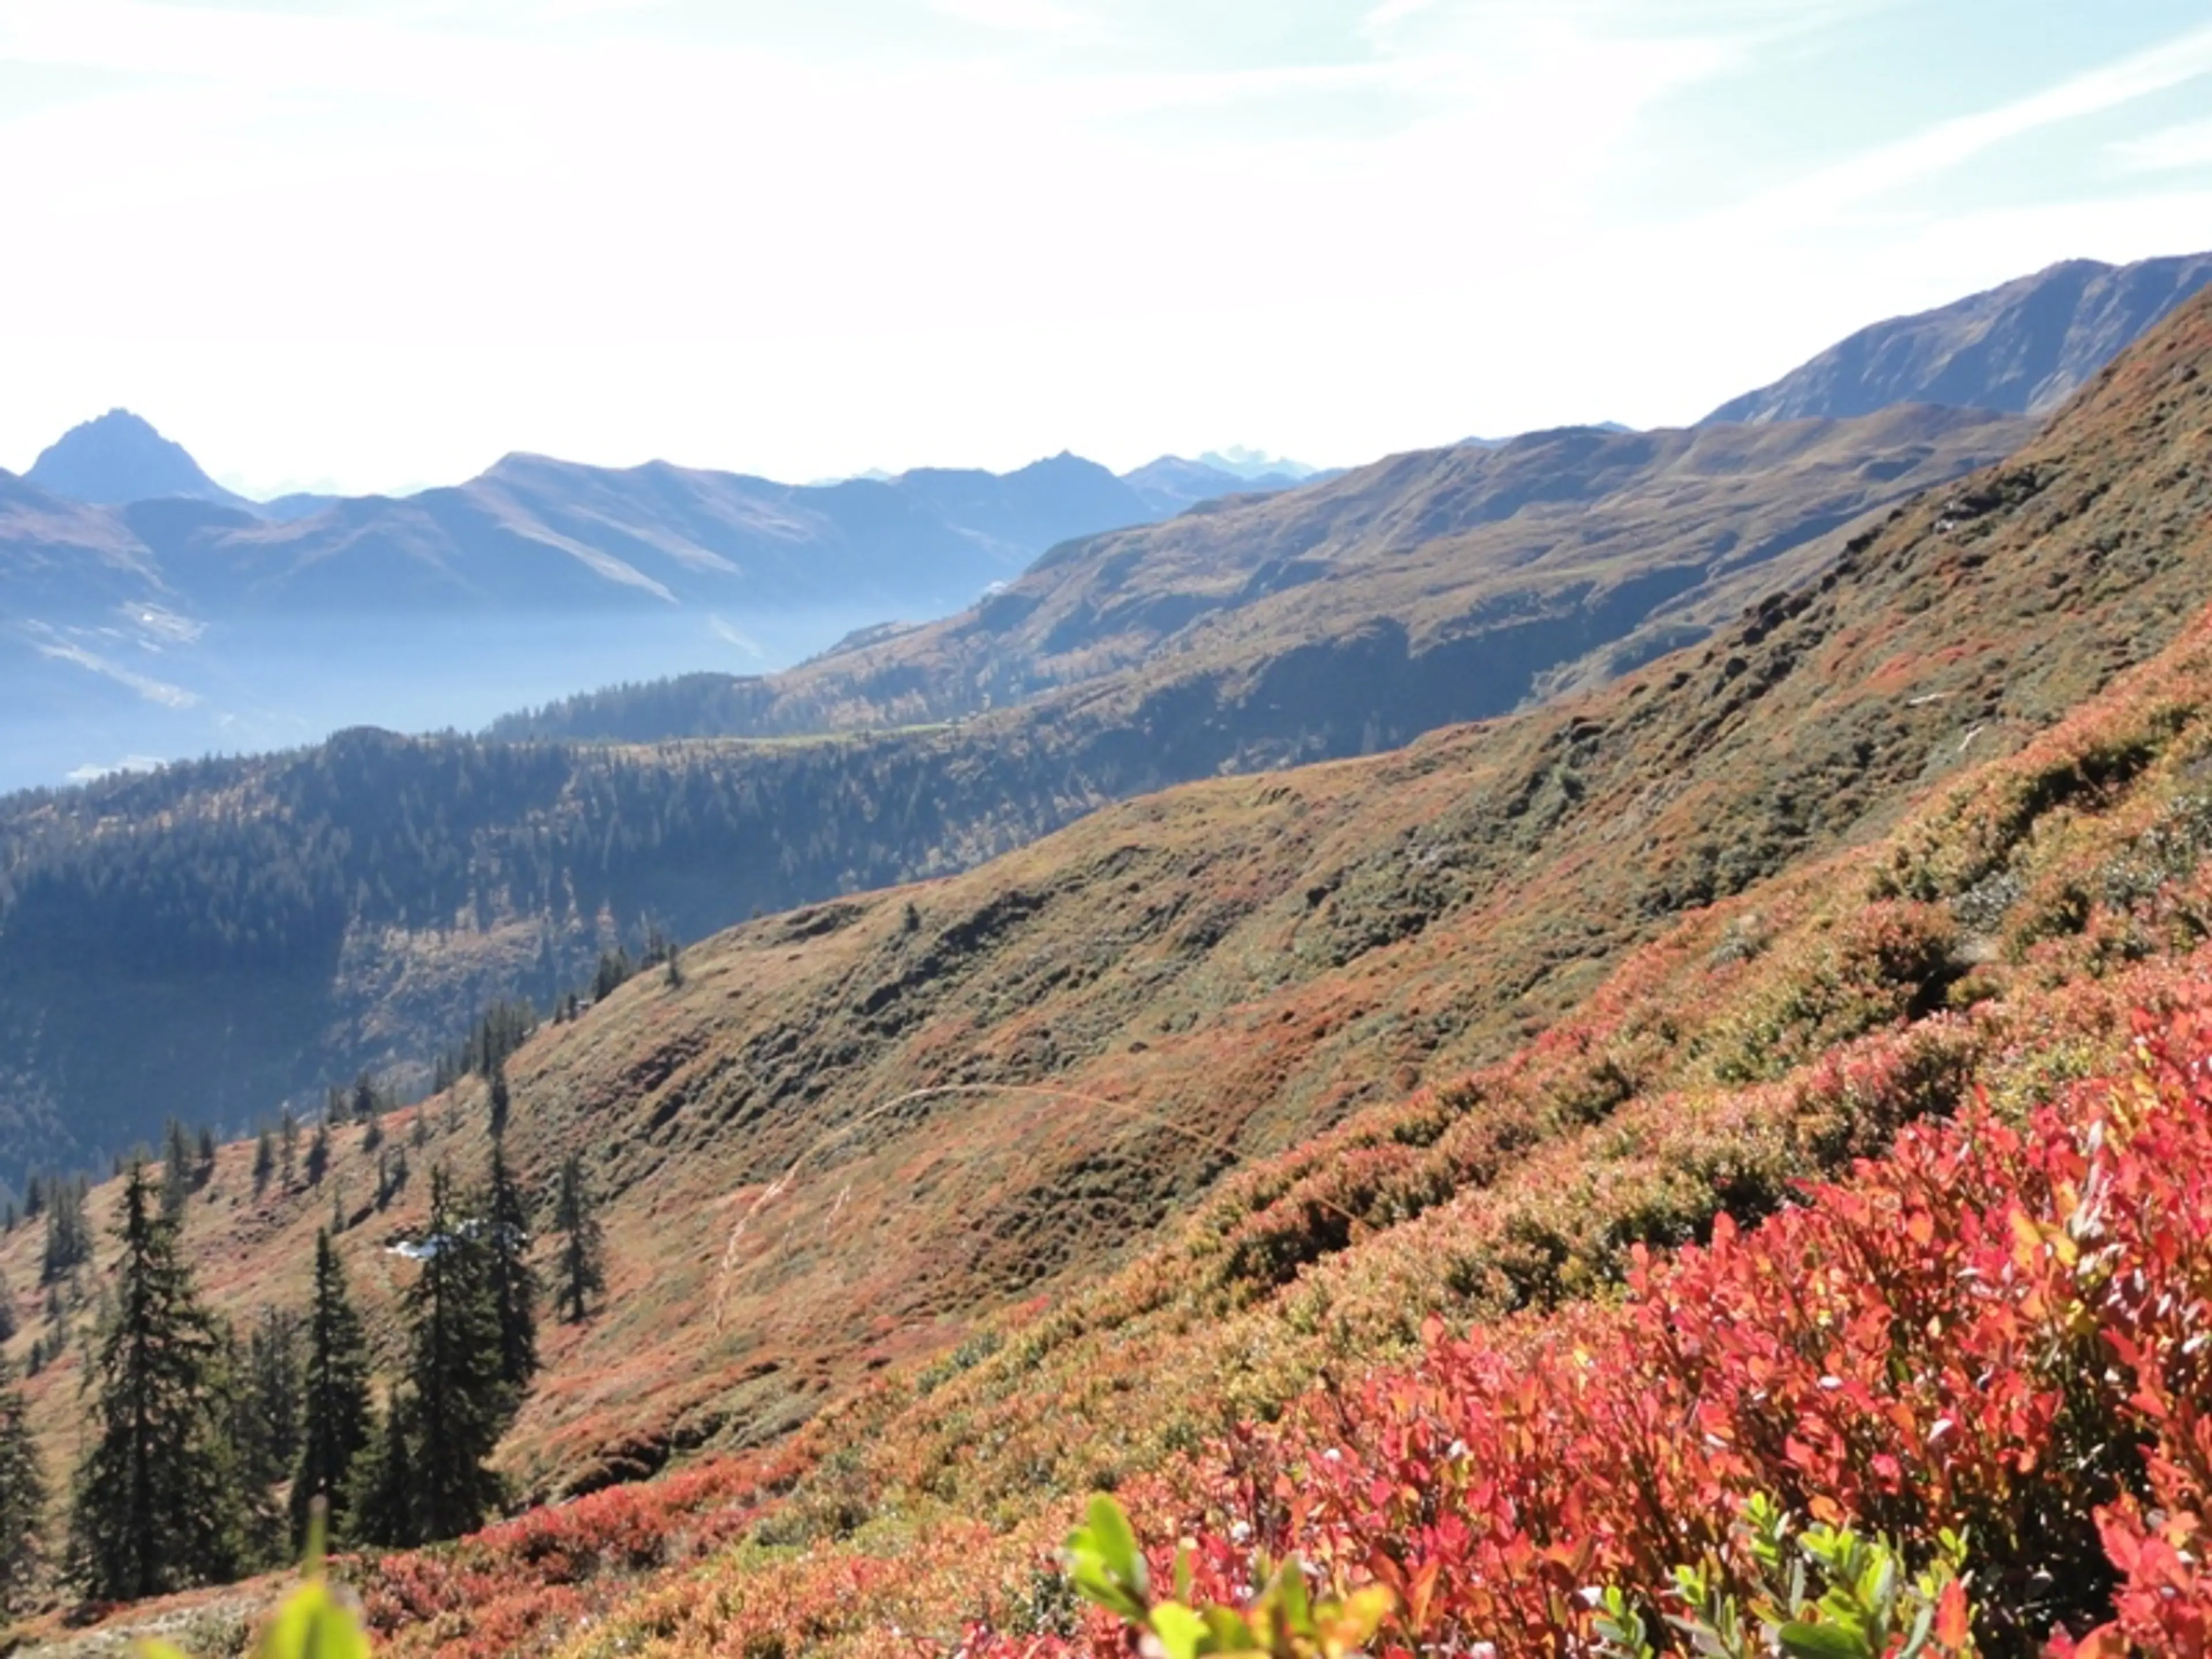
pixel 1184 983
pixel 1353 614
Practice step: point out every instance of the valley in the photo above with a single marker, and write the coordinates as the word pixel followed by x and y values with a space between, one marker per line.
pixel 931 1209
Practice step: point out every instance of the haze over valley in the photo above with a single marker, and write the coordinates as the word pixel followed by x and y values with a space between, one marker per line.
pixel 1580 1023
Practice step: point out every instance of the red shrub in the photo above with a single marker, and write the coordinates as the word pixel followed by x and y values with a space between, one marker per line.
pixel 2003 1330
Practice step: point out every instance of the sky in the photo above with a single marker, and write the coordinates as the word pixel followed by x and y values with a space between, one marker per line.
pixel 332 244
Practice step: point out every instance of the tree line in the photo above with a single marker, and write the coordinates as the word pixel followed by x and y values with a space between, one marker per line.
pixel 141 910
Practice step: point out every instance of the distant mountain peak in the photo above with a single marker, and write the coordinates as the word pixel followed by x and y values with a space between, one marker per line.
pixel 1244 462
pixel 119 458
pixel 2022 348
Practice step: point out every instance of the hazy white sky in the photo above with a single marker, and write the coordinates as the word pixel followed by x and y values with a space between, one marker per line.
pixel 371 246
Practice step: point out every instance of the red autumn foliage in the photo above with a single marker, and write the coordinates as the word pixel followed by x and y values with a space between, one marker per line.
pixel 512 1586
pixel 2003 1329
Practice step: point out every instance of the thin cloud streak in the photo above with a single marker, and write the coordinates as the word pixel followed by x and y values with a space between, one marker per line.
pixel 1951 143
pixel 2189 145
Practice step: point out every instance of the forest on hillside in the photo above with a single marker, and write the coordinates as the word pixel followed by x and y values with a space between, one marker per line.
pixel 228 915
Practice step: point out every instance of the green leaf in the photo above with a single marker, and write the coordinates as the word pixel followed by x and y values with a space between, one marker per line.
pixel 1227 1633
pixel 313 1625
pixel 1803 1641
pixel 1179 1629
pixel 1116 1545
pixel 1095 1583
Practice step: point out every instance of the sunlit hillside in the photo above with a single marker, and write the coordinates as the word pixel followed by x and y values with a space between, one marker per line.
pixel 932 1210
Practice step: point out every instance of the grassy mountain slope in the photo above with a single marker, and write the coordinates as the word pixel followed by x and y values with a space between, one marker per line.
pixel 343 907
pixel 2024 346
pixel 1352 613
pixel 1181 985
pixel 1973 920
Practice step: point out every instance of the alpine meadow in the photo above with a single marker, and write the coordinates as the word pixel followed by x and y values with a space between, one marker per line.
pixel 1590 1044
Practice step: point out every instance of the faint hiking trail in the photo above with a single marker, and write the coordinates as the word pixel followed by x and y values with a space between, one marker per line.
pixel 830 1137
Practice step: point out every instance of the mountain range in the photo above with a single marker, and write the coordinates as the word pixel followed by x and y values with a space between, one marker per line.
pixel 1334 1115
pixel 377 887
pixel 2022 348
pixel 1358 611
pixel 145 612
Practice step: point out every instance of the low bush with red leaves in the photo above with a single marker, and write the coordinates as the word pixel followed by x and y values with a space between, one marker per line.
pixel 2002 1331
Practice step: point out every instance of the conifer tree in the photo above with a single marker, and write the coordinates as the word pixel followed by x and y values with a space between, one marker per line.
pixel 204 1164
pixel 22 1495
pixel 156 1504
pixel 289 1135
pixel 318 1153
pixel 275 1382
pixel 176 1169
pixel 265 1162
pixel 462 1402
pixel 514 1282
pixel 8 1324
pixel 501 1100
pixel 575 1216
pixel 253 1463
pixel 334 1422
pixel 68 1238
pixel 381 1503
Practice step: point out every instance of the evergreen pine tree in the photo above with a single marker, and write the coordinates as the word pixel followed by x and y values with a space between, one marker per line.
pixel 176 1169
pixel 381 1502
pixel 203 1163
pixel 318 1153
pixel 287 1132
pixel 69 1236
pixel 275 1380
pixel 8 1324
pixel 462 1403
pixel 514 1282
pixel 156 1504
pixel 265 1162
pixel 501 1100
pixel 575 1217
pixel 22 1496
pixel 334 1410
pixel 255 1467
